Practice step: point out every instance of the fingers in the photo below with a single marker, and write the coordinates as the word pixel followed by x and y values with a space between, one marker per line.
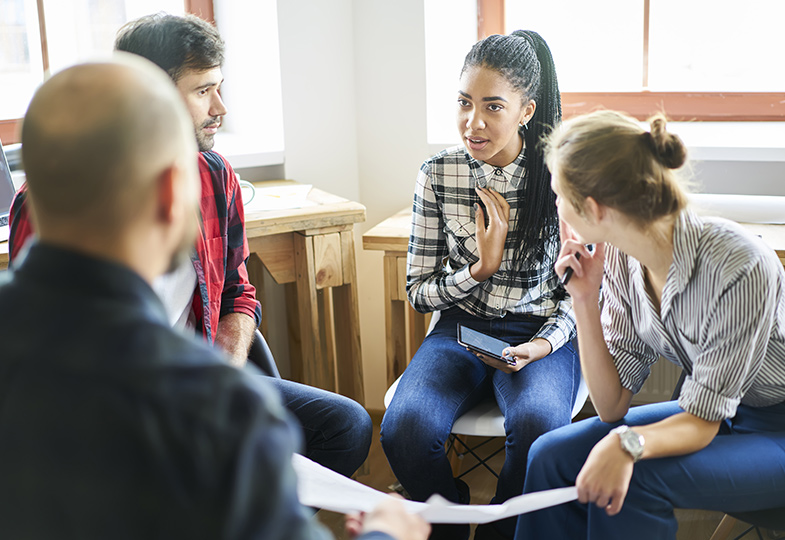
pixel 565 232
pixel 495 204
pixel 495 363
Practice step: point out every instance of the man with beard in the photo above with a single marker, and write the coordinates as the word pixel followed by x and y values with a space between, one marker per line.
pixel 113 425
pixel 211 293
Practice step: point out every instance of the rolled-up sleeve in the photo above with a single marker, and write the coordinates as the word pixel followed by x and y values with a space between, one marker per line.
pixel 732 346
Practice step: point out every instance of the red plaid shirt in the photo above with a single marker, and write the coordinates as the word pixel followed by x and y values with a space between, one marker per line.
pixel 221 249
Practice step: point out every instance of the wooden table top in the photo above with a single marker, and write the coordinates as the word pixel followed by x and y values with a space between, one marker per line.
pixel 329 211
pixel 392 234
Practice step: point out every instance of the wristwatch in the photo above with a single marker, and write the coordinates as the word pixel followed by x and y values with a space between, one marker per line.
pixel 631 442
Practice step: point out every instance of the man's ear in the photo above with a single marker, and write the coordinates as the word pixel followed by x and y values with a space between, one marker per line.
pixel 165 187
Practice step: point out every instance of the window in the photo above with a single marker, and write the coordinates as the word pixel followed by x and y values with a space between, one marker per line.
pixel 703 59
pixel 41 37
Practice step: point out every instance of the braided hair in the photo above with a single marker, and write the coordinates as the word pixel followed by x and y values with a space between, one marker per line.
pixel 524 60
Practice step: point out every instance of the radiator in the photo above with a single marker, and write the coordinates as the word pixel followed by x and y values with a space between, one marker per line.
pixel 660 384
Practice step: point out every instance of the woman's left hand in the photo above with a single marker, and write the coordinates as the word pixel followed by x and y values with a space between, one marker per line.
pixel 523 354
pixel 605 477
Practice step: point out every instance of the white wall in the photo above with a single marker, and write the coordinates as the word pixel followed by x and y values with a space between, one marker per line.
pixel 392 144
pixel 353 81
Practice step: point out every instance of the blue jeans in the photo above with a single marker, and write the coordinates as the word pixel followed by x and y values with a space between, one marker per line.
pixel 444 380
pixel 742 469
pixel 336 429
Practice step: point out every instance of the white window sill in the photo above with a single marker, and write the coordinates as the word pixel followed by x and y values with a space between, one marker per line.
pixel 245 152
pixel 721 141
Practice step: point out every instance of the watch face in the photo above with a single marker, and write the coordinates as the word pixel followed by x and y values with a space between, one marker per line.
pixel 632 443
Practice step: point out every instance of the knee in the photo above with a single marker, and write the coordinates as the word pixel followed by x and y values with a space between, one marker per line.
pixel 410 430
pixel 356 420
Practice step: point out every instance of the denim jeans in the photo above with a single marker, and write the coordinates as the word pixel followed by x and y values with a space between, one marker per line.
pixel 742 469
pixel 444 380
pixel 336 429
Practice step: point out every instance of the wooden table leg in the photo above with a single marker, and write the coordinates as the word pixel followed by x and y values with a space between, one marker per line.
pixel 347 325
pixel 394 320
pixel 317 369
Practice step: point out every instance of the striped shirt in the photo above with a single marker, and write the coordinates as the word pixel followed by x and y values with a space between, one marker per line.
pixel 442 247
pixel 721 318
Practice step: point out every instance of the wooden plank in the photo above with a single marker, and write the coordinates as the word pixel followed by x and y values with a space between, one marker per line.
pixel 392 234
pixel 394 323
pixel 256 277
pixel 327 333
pixel 401 263
pixel 347 332
pixel 417 327
pixel 293 324
pixel 3 255
pixel 316 371
pixel 328 263
pixel 276 252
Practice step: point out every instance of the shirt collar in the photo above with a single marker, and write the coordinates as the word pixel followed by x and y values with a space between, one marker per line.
pixel 686 235
pixel 514 172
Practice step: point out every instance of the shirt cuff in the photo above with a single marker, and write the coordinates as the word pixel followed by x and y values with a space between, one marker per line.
pixel 553 335
pixel 705 402
pixel 463 279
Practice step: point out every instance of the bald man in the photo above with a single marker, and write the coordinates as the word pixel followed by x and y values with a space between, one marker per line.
pixel 112 424
pixel 211 294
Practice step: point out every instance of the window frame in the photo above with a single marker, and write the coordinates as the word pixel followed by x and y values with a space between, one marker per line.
pixel 10 128
pixel 679 106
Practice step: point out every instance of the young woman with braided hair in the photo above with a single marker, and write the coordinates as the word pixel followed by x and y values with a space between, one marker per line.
pixel 483 245
pixel 698 291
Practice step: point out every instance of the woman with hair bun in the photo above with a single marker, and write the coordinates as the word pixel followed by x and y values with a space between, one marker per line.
pixel 700 292
pixel 483 244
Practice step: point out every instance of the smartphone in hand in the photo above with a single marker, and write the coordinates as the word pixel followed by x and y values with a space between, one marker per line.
pixel 483 343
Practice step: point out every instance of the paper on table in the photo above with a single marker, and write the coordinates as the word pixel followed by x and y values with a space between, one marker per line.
pixel 281 197
pixel 741 208
pixel 320 487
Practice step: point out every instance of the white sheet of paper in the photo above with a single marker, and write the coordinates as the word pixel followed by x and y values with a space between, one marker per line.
pixel 320 487
pixel 280 197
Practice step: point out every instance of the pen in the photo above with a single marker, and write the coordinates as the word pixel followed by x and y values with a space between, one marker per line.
pixel 568 273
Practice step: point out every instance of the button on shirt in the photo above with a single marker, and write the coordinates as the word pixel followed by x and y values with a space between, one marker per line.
pixel 721 318
pixel 442 247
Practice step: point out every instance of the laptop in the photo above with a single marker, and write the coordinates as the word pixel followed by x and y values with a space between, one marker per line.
pixel 6 194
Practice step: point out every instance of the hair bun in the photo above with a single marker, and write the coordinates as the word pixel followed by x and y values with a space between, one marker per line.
pixel 667 147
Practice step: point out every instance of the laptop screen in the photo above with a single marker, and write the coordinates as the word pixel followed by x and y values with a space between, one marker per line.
pixel 6 185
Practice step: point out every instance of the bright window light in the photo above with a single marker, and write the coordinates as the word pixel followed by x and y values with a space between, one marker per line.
pixel 716 46
pixel 252 78
pixel 596 46
pixel 450 31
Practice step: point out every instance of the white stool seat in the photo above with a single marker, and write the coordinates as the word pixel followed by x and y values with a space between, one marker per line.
pixel 486 419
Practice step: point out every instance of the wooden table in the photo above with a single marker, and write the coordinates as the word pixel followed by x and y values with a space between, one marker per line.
pixel 311 251
pixel 405 328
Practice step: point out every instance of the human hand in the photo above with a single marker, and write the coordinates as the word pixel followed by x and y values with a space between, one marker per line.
pixel 605 477
pixel 587 266
pixel 389 517
pixel 490 239
pixel 523 354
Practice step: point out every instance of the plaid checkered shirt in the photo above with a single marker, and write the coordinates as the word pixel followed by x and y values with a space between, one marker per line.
pixel 221 248
pixel 442 247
